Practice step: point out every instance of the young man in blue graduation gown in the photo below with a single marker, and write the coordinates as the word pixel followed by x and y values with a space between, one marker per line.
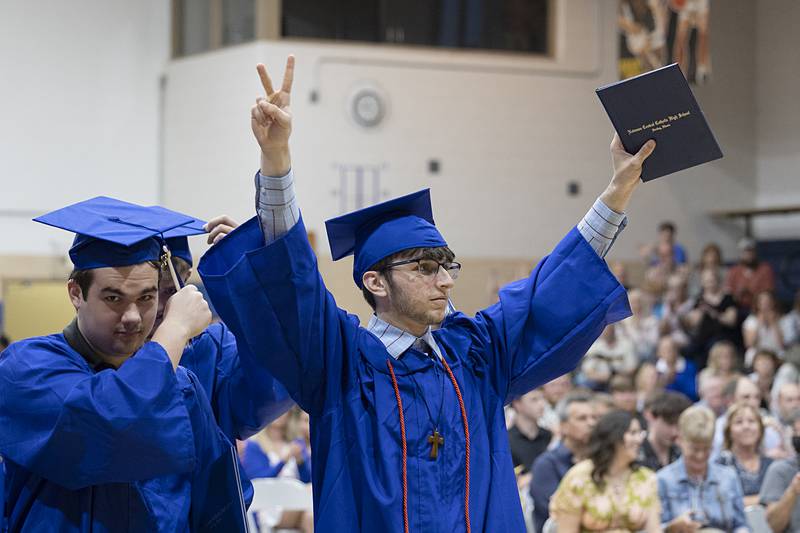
pixel 103 431
pixel 406 414
pixel 243 394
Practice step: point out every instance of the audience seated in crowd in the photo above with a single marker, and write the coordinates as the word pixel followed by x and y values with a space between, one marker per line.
pixel 790 323
pixel 714 317
pixel 609 355
pixel 744 391
pixel 711 259
pixel 723 361
pixel 554 391
pixel 656 277
pixel 765 365
pixel 761 329
pixel 646 382
pixel 789 371
pixel 608 490
pixel 578 419
pixel 675 372
pixel 527 440
pixel 661 411
pixel 277 451
pixel 282 449
pixel 711 390
pixel 781 487
pixel 696 492
pixel 666 234
pixel 641 328
pixel 733 448
pixel 672 309
pixel 750 276
pixel 623 394
pixel 786 402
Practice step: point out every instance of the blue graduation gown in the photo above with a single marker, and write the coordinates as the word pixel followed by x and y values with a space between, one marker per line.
pixel 123 450
pixel 274 300
pixel 243 394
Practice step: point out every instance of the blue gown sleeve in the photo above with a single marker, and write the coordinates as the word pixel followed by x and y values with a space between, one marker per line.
pixel 274 300
pixel 543 324
pixel 245 396
pixel 77 429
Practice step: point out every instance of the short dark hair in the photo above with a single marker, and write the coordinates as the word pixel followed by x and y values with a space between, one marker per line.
pixel 667 405
pixel 620 383
pixel 4 342
pixel 667 226
pixel 441 254
pixel 84 278
pixel 575 396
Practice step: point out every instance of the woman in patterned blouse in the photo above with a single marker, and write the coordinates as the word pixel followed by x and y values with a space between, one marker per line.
pixel 608 491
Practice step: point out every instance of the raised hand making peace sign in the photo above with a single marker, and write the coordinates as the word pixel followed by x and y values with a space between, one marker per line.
pixel 271 121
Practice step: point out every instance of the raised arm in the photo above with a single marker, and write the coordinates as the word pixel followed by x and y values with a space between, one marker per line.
pixel 627 173
pixel 263 277
pixel 271 121
pixel 546 322
pixel 185 316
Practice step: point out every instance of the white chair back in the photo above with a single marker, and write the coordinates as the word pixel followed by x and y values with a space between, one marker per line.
pixel 273 496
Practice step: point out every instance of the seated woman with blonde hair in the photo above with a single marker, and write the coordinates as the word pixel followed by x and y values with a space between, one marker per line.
pixel 608 491
pixel 744 431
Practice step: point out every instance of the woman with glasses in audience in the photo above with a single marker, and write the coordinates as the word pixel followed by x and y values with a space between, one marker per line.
pixel 743 433
pixel 696 493
pixel 608 491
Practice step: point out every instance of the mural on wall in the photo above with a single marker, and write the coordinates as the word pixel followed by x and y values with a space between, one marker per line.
pixel 654 33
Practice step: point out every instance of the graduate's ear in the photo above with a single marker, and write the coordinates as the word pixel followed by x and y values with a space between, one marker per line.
pixel 374 283
pixel 75 294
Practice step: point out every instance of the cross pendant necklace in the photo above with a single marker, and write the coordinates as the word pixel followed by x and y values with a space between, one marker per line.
pixel 435 439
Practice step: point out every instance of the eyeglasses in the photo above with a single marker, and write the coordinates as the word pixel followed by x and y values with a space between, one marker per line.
pixel 428 268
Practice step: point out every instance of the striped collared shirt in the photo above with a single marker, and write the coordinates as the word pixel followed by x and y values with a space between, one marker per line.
pixel 397 341
pixel 276 205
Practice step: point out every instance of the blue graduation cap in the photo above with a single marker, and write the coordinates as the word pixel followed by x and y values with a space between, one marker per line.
pixel 376 232
pixel 113 233
pixel 177 241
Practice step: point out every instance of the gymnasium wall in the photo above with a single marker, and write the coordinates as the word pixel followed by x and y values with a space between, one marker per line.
pixel 777 86
pixel 93 105
pixel 509 133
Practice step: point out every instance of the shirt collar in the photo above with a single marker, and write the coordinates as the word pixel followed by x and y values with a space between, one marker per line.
pixel 76 340
pixel 397 341
pixel 711 472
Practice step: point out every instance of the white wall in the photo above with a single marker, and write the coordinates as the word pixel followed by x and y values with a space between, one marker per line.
pixel 79 86
pixel 510 131
pixel 777 84
pixel 81 109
